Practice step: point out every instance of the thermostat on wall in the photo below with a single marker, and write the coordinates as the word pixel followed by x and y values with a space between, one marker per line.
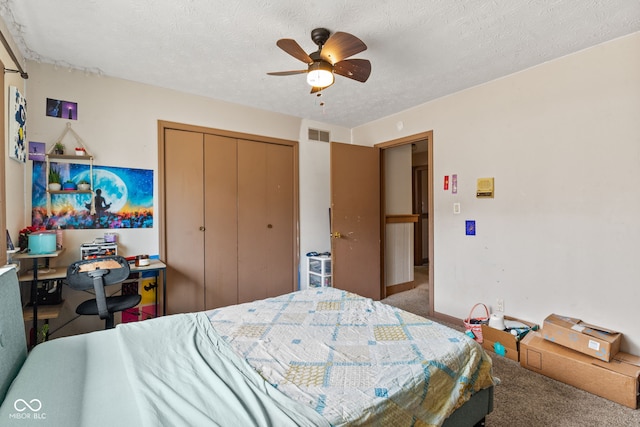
pixel 485 188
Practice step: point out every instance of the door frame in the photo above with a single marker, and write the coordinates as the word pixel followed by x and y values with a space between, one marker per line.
pixel 428 136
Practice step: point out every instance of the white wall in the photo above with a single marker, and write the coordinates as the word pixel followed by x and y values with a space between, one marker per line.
pixel 397 180
pixel 561 236
pixel 315 192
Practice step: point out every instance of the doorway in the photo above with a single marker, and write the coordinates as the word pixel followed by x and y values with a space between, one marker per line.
pixel 424 173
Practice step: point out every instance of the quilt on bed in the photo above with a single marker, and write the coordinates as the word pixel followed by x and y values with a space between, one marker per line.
pixel 354 360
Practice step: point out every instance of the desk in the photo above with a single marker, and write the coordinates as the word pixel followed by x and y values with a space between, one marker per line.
pixel 34 279
pixel 60 272
pixel 155 265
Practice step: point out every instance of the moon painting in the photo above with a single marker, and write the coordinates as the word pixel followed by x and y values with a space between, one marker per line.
pixel 121 198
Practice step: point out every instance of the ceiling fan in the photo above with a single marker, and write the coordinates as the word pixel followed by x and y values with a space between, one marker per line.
pixel 329 59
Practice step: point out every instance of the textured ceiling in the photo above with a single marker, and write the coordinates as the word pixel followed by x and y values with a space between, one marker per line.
pixel 419 49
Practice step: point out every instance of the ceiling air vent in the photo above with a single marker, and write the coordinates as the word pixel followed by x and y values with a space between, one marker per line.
pixel 318 135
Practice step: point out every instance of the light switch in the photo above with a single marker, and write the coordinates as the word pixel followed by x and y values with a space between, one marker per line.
pixel 456 208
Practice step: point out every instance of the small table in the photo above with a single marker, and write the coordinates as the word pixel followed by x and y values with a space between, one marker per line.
pixel 34 281
pixel 155 265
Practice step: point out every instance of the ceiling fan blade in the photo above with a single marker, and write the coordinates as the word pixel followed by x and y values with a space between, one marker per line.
pixel 340 46
pixel 356 69
pixel 293 48
pixel 287 73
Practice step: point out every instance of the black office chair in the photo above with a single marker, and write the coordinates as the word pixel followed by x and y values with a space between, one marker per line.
pixel 98 273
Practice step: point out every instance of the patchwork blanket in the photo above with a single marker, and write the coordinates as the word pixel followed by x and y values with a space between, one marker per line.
pixel 354 360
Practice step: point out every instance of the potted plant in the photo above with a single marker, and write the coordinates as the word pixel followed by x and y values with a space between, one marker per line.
pixel 55 180
pixel 83 185
pixel 58 148
pixel 69 185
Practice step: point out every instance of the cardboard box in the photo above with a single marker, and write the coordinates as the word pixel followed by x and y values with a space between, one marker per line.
pixel 594 341
pixel 616 380
pixel 510 342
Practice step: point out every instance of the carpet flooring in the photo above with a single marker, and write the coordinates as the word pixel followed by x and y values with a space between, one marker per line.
pixel 527 399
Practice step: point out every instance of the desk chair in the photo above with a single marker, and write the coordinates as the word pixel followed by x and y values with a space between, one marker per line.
pixel 98 273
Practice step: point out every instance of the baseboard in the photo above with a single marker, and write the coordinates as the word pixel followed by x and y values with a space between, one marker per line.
pixel 449 319
pixel 394 289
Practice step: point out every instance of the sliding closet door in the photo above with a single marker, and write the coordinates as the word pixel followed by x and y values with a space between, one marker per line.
pixel 221 221
pixel 184 211
pixel 265 220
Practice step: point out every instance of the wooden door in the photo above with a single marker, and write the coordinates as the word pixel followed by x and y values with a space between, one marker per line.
pixel 184 219
pixel 355 215
pixel 265 220
pixel 281 226
pixel 220 221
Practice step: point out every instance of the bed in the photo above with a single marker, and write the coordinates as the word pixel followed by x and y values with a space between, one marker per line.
pixel 317 357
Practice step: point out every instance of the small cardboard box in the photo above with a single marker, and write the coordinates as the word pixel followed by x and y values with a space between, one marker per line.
pixel 510 342
pixel 616 380
pixel 594 341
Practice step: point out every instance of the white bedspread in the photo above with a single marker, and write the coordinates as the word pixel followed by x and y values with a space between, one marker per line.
pixel 354 360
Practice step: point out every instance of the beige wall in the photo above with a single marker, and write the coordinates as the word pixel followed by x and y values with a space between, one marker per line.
pixel 563 143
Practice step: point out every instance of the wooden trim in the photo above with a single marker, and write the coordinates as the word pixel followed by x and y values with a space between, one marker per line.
pixel 394 289
pixel 446 318
pixel 3 195
pixel 400 219
pixel 221 132
pixel 406 140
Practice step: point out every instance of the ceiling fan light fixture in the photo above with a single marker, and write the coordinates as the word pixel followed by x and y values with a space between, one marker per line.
pixel 320 74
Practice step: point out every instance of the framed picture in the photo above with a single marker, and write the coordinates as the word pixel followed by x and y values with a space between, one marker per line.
pixel 36 151
pixel 17 125
pixel 62 109
pixel 10 246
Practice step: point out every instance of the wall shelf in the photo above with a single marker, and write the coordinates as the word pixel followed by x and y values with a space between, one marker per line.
pixel 69 158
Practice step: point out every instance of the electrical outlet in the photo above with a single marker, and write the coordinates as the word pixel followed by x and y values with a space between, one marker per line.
pixel 500 305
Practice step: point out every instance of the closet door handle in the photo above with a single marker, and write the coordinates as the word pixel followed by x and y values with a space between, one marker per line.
pixel 269 225
pixel 202 228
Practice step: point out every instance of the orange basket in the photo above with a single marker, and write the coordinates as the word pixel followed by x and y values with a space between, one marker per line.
pixel 474 324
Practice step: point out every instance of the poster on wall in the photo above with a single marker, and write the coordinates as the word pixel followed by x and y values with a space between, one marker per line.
pixel 62 109
pixel 123 198
pixel 36 151
pixel 17 125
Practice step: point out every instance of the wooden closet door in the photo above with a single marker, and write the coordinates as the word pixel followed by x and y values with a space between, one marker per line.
pixel 221 221
pixel 281 272
pixel 265 220
pixel 184 212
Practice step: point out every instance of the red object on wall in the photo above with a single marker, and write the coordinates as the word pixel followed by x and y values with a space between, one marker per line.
pixel 446 182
